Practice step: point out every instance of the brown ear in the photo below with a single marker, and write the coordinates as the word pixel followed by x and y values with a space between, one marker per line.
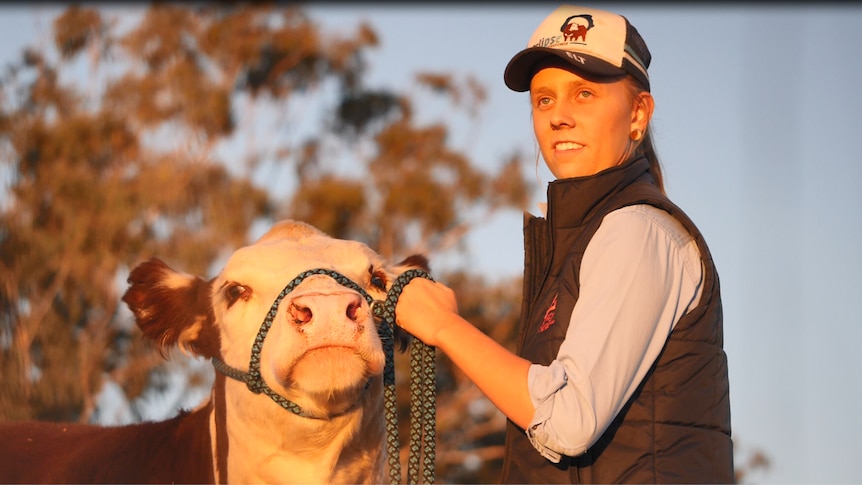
pixel 172 308
pixel 416 261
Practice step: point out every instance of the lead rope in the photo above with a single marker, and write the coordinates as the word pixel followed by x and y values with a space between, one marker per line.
pixel 422 376
pixel 423 422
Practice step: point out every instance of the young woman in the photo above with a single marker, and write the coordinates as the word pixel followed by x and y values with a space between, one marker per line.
pixel 620 375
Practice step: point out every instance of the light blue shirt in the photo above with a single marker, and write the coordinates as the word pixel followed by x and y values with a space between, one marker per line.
pixel 640 273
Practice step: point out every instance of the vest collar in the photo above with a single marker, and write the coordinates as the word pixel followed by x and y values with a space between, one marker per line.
pixel 572 200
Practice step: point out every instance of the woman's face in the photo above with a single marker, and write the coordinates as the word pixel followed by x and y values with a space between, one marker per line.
pixel 583 127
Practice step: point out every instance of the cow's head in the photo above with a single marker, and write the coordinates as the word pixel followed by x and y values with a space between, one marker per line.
pixel 323 345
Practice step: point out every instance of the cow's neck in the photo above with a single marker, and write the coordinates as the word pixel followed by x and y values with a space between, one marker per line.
pixel 278 445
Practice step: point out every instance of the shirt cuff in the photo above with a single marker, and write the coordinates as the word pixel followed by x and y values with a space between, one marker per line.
pixel 544 382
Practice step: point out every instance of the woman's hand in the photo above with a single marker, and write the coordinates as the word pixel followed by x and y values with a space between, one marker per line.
pixel 424 307
pixel 429 311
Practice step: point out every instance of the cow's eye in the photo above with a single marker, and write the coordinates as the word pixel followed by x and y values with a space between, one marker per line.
pixel 378 279
pixel 235 291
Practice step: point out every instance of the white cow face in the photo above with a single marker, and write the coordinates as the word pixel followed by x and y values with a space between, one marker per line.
pixel 323 345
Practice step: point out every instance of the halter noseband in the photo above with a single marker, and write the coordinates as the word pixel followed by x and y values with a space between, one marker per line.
pixel 422 364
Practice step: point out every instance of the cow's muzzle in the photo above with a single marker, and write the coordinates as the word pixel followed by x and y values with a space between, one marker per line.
pixel 382 311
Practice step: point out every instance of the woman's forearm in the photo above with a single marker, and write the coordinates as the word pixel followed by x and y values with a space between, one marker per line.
pixel 499 374
pixel 429 311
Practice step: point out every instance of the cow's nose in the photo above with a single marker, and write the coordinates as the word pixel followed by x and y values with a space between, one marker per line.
pixel 330 307
pixel 300 314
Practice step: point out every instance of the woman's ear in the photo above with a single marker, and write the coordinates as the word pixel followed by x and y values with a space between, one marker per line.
pixel 643 109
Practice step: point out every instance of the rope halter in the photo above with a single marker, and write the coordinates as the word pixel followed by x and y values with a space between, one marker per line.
pixel 422 375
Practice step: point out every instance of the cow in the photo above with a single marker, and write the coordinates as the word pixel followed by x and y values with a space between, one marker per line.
pixel 573 32
pixel 322 354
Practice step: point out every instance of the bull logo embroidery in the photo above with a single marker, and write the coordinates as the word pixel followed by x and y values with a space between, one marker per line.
pixel 550 315
pixel 576 27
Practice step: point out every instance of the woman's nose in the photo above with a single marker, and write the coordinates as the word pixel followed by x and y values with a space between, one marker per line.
pixel 562 116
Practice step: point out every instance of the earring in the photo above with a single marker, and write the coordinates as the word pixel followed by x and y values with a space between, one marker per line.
pixel 636 134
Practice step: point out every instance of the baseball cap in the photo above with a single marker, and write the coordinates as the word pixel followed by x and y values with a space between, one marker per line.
pixel 595 42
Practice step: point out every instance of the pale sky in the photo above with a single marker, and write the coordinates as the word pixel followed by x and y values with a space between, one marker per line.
pixel 756 114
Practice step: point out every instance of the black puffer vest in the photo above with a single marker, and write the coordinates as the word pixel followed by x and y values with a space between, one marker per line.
pixel 676 426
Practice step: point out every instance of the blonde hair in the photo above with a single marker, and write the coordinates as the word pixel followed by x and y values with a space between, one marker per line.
pixel 646 148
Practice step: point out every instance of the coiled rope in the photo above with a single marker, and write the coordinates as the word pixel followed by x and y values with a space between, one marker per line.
pixel 422 377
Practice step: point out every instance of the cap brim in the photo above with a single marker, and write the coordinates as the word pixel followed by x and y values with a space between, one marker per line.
pixel 519 72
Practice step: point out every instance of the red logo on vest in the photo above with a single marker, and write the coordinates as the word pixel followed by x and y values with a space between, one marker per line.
pixel 549 316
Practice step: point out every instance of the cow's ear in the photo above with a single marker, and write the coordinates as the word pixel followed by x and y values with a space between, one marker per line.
pixel 416 261
pixel 172 308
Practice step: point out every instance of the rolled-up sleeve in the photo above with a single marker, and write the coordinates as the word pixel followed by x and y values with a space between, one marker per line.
pixel 548 390
pixel 640 273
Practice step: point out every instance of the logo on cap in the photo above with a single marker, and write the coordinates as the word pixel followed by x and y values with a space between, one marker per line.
pixel 572 30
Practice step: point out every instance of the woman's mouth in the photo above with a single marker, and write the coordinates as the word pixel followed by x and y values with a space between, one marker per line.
pixel 567 145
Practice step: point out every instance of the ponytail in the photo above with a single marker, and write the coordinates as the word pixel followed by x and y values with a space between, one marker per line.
pixel 646 148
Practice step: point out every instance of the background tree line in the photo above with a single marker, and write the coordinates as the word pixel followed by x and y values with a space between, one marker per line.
pixel 180 136
pixel 180 133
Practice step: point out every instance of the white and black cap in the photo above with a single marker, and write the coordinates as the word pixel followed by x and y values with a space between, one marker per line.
pixel 594 42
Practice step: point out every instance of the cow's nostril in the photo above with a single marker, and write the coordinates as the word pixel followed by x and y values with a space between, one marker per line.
pixel 300 314
pixel 352 310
